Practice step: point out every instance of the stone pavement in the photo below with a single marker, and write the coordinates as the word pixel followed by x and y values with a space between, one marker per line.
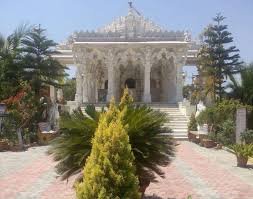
pixel 196 171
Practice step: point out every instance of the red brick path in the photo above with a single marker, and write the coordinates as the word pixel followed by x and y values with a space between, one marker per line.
pixel 201 173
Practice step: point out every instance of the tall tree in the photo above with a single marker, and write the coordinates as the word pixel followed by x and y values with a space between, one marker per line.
pixel 10 59
pixel 69 89
pixel 217 59
pixel 39 67
pixel 243 89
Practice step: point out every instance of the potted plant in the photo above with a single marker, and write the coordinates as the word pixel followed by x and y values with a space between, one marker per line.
pixel 242 152
pixel 4 145
pixel 192 126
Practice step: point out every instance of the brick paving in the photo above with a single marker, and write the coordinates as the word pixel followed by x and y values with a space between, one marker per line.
pixel 196 171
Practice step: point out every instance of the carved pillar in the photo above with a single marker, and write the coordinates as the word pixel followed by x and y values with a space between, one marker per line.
pixel 78 96
pixel 180 81
pixel 147 95
pixel 111 76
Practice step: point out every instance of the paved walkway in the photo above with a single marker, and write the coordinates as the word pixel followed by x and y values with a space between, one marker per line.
pixel 196 171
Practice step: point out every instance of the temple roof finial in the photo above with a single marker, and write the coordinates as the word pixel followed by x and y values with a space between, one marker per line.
pixel 132 9
pixel 130 4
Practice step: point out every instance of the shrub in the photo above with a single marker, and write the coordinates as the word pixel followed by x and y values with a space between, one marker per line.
pixel 109 171
pixel 242 152
pixel 247 137
pixel 73 145
pixel 192 125
pixel 216 115
pixel 152 148
pixel 226 134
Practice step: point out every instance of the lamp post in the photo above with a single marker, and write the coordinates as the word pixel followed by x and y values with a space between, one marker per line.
pixel 3 114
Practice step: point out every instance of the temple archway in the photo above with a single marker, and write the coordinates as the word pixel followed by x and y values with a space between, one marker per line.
pixel 131 75
pixel 163 80
pixel 130 83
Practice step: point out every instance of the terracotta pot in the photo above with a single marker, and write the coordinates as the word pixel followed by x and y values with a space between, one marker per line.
pixel 208 143
pixel 144 183
pixel 242 161
pixel 4 145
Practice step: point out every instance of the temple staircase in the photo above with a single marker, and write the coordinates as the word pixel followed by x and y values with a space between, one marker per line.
pixel 177 121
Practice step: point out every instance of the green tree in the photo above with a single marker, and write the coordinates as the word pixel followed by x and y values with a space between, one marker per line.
pixel 242 89
pixel 216 58
pixel 109 171
pixel 69 89
pixel 10 59
pixel 39 67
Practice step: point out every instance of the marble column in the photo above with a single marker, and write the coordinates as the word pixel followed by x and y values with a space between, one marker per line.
pixel 111 76
pixel 78 96
pixel 180 81
pixel 147 95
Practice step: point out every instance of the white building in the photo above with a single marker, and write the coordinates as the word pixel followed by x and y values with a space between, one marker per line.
pixel 132 51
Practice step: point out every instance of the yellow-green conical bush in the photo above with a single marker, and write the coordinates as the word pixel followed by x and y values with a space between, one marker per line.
pixel 109 172
pixel 126 99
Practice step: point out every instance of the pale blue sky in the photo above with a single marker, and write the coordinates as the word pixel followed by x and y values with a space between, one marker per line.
pixel 62 17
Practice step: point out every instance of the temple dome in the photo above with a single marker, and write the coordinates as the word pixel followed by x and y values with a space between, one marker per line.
pixel 132 25
pixel 130 28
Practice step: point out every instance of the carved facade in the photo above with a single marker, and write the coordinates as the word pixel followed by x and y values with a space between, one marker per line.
pixel 134 52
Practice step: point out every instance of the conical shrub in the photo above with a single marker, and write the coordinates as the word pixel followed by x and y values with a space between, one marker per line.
pixel 109 172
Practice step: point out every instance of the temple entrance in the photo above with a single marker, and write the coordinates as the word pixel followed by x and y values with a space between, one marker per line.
pixel 132 77
pixel 162 81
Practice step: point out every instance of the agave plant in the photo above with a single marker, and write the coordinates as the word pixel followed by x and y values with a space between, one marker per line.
pixel 151 147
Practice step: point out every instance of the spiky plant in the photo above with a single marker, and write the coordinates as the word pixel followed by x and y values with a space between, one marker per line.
pixel 73 146
pixel 109 171
pixel 151 142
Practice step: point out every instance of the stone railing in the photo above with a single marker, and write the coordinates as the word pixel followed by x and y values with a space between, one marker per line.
pixel 186 108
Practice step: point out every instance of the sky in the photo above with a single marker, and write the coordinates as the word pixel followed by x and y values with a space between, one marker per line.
pixel 63 17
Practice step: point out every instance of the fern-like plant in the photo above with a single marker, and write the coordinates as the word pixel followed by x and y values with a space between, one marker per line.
pixel 73 146
pixel 242 152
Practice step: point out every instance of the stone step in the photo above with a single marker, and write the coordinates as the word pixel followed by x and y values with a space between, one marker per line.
pixel 177 121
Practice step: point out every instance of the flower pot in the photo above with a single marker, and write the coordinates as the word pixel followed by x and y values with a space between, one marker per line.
pixel 144 183
pixel 242 161
pixel 4 145
pixel 208 143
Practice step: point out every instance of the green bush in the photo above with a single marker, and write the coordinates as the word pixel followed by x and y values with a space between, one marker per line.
pixel 145 127
pixel 219 114
pixel 226 133
pixel 192 125
pixel 109 171
pixel 243 150
pixel 247 137
pixel 73 145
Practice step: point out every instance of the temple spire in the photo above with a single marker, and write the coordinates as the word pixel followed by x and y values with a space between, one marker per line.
pixel 132 9
pixel 130 4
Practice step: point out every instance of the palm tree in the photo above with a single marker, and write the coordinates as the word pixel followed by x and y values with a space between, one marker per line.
pixel 242 89
pixel 10 59
pixel 150 146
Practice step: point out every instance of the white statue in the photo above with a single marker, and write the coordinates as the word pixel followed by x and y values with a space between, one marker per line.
pixel 201 107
